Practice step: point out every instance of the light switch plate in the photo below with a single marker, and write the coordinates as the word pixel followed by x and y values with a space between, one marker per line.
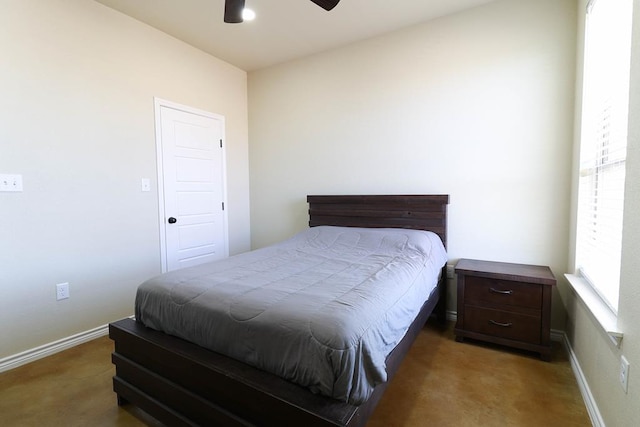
pixel 146 184
pixel 10 182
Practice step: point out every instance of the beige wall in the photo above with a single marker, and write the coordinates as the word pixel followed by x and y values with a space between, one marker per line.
pixel 77 82
pixel 598 359
pixel 478 105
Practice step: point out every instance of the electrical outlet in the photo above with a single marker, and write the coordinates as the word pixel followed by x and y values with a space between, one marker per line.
pixel 450 271
pixel 62 291
pixel 624 373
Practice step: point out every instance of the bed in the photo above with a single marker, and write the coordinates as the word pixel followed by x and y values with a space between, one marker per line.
pixel 181 383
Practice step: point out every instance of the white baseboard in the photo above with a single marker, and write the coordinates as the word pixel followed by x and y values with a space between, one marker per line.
pixel 557 335
pixel 45 350
pixel 589 401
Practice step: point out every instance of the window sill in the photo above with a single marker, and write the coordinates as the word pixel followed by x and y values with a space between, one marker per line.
pixel 605 317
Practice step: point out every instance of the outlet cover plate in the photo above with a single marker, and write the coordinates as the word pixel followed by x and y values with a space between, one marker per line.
pixel 624 373
pixel 62 291
pixel 450 271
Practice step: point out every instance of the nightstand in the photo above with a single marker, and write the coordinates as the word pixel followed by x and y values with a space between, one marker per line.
pixel 507 304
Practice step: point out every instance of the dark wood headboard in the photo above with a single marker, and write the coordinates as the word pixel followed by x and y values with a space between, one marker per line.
pixel 419 212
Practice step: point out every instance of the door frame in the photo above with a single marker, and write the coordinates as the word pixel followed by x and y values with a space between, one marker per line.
pixel 158 104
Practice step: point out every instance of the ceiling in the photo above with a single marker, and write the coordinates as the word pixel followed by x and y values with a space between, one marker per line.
pixel 283 29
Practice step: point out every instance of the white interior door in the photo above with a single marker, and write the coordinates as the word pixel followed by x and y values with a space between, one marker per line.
pixel 192 174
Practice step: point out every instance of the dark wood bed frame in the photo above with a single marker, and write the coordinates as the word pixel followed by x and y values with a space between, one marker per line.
pixel 182 384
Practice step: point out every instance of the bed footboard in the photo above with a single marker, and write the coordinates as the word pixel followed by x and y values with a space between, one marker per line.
pixel 182 384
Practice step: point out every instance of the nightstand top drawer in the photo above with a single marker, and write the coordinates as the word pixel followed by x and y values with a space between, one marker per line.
pixel 506 271
pixel 502 293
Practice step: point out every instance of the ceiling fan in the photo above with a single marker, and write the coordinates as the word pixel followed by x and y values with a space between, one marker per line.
pixel 233 9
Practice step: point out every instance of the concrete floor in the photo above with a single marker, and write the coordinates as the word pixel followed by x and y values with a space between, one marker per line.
pixel 440 383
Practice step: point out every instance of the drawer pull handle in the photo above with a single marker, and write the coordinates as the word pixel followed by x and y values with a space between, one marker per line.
pixel 497 291
pixel 504 325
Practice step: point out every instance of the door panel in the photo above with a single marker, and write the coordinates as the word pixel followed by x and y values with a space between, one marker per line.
pixel 193 187
pixel 196 203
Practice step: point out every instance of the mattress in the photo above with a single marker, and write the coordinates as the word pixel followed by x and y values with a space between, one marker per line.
pixel 322 309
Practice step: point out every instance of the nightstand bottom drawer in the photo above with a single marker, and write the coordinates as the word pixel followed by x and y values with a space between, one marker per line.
pixel 504 324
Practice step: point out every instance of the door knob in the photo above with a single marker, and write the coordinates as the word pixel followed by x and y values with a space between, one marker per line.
pixel 172 220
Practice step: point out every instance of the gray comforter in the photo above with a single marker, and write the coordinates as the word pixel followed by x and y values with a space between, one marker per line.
pixel 322 309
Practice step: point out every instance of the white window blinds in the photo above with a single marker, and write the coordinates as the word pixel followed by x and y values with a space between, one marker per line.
pixel 603 145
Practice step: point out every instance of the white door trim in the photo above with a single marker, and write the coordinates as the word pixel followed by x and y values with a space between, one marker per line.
pixel 158 104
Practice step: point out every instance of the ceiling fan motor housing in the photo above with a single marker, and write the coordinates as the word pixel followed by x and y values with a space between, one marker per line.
pixel 233 9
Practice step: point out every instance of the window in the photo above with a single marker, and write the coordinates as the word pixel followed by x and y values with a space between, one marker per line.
pixel 603 145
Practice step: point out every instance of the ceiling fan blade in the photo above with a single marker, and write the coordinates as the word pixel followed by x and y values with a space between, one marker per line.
pixel 233 11
pixel 326 4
